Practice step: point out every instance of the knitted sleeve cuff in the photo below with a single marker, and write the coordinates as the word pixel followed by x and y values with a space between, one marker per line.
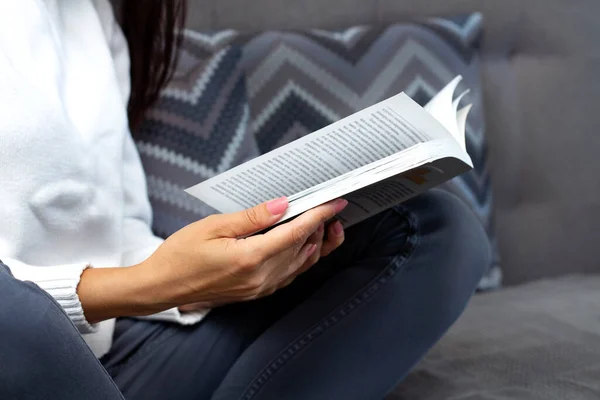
pixel 61 283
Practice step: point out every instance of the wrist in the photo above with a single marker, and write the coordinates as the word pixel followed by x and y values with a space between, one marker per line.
pixel 107 293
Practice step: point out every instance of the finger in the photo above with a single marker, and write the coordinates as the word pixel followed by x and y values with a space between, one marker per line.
pixel 307 264
pixel 287 282
pixel 318 240
pixel 305 254
pixel 194 307
pixel 335 238
pixel 295 233
pixel 269 292
pixel 247 222
pixel 317 237
pixel 321 230
pixel 310 261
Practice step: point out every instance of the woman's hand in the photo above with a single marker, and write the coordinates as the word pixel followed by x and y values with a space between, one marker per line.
pixel 322 248
pixel 207 264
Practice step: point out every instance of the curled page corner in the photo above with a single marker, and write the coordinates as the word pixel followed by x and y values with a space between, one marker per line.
pixel 456 101
pixel 461 122
pixel 443 108
pixel 443 99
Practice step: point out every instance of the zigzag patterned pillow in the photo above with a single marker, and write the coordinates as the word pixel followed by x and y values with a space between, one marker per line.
pixel 299 82
pixel 197 129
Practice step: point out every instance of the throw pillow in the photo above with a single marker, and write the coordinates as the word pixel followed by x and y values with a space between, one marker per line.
pixel 300 81
pixel 196 130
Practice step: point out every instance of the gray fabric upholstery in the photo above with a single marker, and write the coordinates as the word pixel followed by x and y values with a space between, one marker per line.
pixel 540 64
pixel 543 343
pixel 299 81
pixel 197 129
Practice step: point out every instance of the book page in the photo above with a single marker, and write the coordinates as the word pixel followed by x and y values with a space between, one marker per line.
pixel 417 156
pixel 385 194
pixel 372 134
pixel 444 108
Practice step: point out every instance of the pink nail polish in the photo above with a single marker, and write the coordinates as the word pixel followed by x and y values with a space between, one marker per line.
pixel 311 250
pixel 277 206
pixel 338 229
pixel 340 204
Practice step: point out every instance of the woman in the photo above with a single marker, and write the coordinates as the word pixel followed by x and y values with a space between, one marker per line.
pixel 76 223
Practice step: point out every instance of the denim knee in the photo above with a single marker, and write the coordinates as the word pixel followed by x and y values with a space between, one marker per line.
pixel 27 312
pixel 450 234
pixel 43 354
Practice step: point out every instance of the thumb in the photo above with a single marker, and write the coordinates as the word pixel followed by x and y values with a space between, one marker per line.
pixel 251 220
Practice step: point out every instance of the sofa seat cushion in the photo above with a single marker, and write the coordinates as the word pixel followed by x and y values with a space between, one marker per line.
pixel 542 343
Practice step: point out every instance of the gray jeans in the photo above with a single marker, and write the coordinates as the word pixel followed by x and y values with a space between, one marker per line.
pixel 350 328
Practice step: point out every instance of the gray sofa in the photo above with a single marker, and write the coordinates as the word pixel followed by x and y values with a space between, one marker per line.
pixel 539 337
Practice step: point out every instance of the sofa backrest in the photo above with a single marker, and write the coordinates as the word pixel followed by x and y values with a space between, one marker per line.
pixel 541 61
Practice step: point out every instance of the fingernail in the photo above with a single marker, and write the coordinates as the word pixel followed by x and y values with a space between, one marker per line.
pixel 311 250
pixel 277 206
pixel 340 204
pixel 338 229
pixel 321 228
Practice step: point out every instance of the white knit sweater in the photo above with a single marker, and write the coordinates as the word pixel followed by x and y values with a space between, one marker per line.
pixel 72 189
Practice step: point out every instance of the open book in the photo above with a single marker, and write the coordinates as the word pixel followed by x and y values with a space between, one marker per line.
pixel 375 159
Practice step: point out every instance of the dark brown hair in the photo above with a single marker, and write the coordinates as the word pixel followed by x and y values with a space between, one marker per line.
pixel 153 30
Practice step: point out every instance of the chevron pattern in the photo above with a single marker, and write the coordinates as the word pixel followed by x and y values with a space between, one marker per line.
pixel 197 129
pixel 235 96
pixel 298 82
